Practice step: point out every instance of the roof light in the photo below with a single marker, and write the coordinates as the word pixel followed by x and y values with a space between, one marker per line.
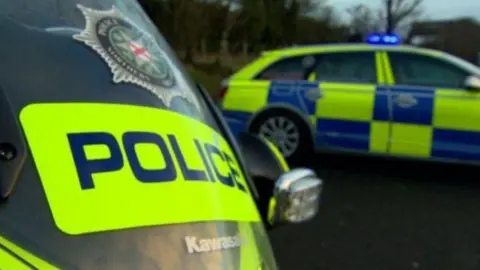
pixel 383 39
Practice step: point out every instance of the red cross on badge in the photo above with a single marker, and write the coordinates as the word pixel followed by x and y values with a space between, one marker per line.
pixel 139 51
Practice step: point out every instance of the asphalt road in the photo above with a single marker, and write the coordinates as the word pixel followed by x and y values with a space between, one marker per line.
pixel 387 215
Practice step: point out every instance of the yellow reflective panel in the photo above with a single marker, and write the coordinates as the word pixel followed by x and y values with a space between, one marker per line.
pixel 108 167
pixel 389 77
pixel 411 140
pixel 304 50
pixel 379 136
pixel 380 67
pixel 9 262
pixel 453 105
pixel 246 96
pixel 346 101
pixel 16 251
pixel 272 204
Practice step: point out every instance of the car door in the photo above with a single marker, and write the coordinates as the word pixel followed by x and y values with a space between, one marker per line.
pixel 349 102
pixel 433 114
pixel 288 85
pixel 276 84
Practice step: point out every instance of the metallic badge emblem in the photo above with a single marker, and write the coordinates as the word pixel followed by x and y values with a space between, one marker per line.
pixel 313 94
pixel 404 100
pixel 132 54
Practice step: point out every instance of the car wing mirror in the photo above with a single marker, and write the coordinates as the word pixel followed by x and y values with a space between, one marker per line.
pixel 472 83
pixel 285 196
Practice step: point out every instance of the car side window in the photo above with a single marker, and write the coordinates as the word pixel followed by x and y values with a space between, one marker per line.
pixel 292 68
pixel 349 67
pixel 421 70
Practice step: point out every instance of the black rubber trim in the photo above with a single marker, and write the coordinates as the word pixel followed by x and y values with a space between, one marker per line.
pixel 230 139
pixel 274 156
pixel 261 161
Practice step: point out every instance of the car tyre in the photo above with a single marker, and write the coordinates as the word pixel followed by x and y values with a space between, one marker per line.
pixel 279 126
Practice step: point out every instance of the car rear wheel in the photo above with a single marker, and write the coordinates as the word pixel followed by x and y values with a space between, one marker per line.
pixel 288 132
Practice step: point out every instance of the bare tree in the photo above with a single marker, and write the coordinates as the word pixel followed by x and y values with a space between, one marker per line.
pixel 231 18
pixel 362 19
pixel 392 16
pixel 308 7
pixel 398 12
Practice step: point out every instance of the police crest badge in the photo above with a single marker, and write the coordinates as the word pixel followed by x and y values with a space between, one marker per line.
pixel 132 54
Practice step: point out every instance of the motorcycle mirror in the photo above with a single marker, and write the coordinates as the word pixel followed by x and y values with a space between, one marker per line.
pixel 286 196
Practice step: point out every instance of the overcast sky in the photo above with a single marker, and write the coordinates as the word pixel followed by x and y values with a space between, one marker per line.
pixel 434 9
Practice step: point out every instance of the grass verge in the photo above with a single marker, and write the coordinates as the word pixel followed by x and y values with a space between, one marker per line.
pixel 211 71
pixel 211 82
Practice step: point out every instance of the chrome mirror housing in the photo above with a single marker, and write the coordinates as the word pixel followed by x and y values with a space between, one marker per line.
pixel 473 83
pixel 296 197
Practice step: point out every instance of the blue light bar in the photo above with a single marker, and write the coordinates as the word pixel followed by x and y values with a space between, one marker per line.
pixel 383 39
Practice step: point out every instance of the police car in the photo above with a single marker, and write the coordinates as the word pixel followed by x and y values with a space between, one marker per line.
pixel 375 97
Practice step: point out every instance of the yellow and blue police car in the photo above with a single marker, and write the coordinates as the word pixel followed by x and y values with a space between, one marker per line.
pixel 112 158
pixel 375 97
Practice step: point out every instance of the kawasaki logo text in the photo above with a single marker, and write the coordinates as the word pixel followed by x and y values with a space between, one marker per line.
pixel 201 245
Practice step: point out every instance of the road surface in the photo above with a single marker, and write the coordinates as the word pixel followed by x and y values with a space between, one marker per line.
pixel 387 215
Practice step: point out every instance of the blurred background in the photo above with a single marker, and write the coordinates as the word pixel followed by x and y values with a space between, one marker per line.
pixel 216 37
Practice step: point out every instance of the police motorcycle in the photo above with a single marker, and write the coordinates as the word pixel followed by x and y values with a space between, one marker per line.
pixel 112 158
